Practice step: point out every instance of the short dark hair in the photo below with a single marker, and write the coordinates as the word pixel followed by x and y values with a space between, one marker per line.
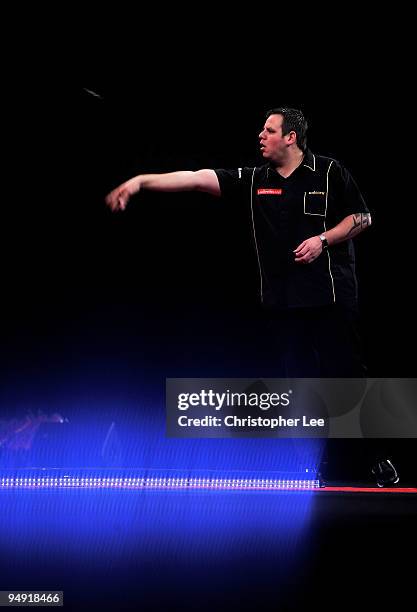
pixel 293 120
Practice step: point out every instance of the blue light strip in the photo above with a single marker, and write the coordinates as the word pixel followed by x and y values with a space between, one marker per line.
pixel 154 482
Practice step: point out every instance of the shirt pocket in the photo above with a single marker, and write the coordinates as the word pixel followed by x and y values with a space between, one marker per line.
pixel 315 203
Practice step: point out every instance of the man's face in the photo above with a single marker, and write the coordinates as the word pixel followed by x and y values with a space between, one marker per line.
pixel 273 144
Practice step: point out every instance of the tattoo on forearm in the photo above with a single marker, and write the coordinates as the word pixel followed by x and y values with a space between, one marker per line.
pixel 360 220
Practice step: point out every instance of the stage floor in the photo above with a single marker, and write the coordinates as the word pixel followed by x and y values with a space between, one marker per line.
pixel 212 550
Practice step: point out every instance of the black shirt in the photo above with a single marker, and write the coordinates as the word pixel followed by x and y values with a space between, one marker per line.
pixel 286 211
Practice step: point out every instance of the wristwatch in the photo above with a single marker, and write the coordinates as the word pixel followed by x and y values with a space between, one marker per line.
pixel 324 243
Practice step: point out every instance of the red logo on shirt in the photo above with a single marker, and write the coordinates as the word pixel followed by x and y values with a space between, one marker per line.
pixel 269 191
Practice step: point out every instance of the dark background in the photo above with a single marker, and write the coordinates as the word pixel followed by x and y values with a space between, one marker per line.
pixel 99 307
pixel 179 270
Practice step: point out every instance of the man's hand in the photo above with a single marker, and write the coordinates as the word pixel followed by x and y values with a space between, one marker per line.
pixel 119 197
pixel 308 250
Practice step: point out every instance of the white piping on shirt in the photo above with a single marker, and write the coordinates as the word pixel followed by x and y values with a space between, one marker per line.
pixel 254 235
pixel 324 224
pixel 314 164
pixel 325 229
pixel 312 214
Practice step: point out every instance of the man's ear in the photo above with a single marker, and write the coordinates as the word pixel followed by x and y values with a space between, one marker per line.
pixel 291 137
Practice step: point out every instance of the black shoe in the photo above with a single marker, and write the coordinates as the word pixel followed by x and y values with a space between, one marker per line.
pixel 385 473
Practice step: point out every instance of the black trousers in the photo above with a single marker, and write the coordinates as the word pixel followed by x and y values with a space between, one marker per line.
pixel 322 342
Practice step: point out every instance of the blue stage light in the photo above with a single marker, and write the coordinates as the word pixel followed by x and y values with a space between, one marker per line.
pixel 155 480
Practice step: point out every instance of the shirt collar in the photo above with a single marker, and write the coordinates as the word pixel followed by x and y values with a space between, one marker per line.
pixel 309 160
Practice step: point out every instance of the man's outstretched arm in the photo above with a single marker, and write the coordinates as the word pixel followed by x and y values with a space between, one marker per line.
pixel 201 180
pixel 350 226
